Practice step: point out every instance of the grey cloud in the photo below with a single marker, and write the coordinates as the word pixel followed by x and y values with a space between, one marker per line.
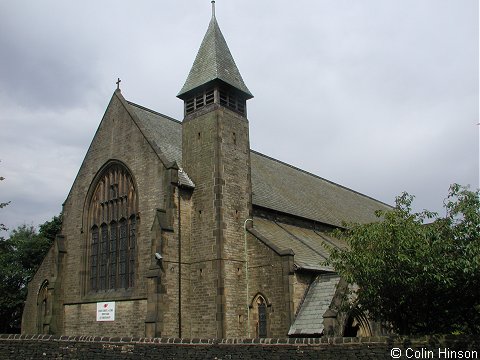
pixel 380 96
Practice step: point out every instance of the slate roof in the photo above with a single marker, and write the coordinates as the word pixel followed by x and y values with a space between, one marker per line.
pixel 309 246
pixel 214 62
pixel 165 135
pixel 165 132
pixel 287 189
pixel 282 187
pixel 309 320
pixel 276 185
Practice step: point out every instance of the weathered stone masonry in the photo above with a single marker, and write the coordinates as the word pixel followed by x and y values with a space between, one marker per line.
pixel 190 232
pixel 89 347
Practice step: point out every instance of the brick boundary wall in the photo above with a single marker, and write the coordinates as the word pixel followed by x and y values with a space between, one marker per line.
pixel 89 347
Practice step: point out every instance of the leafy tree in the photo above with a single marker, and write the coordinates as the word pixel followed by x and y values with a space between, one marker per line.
pixel 20 256
pixel 51 228
pixel 417 278
pixel 2 205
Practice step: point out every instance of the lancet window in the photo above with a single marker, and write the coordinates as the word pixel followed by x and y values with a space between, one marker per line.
pixel 259 316
pixel 262 317
pixel 113 231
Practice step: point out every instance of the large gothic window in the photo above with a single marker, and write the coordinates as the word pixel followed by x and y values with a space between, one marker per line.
pixel 113 224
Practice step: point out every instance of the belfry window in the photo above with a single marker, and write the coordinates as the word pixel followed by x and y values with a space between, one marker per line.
pixel 232 101
pixel 225 98
pixel 199 100
pixel 113 231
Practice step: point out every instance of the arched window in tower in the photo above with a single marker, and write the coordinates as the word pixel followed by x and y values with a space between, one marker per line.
pixel 113 230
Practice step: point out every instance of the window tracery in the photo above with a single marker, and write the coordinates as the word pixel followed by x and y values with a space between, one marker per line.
pixel 113 223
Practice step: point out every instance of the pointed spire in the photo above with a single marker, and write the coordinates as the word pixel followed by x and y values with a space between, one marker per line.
pixel 214 62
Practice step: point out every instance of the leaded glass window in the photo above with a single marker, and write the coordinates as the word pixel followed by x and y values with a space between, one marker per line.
pixel 112 266
pixel 94 258
pixel 262 318
pixel 122 263
pixel 131 250
pixel 113 224
pixel 103 258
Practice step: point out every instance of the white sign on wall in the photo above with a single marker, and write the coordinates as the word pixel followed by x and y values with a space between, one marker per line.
pixel 106 311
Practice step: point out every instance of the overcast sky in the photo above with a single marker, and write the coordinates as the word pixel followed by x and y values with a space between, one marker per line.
pixel 378 96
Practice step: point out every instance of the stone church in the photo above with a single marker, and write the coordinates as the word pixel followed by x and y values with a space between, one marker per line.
pixel 178 229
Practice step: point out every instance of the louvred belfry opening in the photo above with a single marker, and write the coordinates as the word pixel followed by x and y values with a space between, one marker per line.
pixel 214 77
pixel 216 156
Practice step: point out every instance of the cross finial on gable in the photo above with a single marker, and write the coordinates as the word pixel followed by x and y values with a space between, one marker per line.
pixel 118 83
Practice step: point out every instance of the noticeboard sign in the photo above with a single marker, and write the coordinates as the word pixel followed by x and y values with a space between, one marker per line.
pixel 106 311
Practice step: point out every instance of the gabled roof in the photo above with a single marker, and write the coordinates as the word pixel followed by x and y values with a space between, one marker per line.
pixel 165 136
pixel 283 187
pixel 309 246
pixel 165 132
pixel 276 185
pixel 214 62
pixel 309 320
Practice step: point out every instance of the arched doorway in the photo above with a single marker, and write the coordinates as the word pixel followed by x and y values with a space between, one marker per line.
pixel 357 325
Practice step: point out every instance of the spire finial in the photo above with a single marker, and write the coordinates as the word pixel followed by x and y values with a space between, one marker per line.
pixel 213 8
pixel 118 83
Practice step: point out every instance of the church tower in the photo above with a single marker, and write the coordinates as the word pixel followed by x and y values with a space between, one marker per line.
pixel 216 155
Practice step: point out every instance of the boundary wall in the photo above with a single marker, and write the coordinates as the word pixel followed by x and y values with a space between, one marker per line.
pixel 84 347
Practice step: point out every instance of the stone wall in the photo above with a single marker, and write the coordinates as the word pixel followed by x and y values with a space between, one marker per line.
pixel 269 276
pixel 55 347
pixel 215 154
pixel 80 319
pixel 148 173
pixel 44 274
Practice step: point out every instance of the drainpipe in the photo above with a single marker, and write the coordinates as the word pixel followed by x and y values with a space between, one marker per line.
pixel 179 265
pixel 246 273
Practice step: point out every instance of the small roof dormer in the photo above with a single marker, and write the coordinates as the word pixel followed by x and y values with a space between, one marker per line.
pixel 214 69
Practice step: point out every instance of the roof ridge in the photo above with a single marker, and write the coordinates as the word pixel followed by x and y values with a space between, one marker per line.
pixel 301 240
pixel 318 177
pixel 215 43
pixel 154 112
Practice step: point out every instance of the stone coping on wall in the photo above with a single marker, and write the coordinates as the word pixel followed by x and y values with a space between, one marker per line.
pixel 387 340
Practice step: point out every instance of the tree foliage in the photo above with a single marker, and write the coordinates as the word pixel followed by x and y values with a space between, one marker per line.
pixel 20 256
pixel 2 205
pixel 417 278
pixel 50 229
